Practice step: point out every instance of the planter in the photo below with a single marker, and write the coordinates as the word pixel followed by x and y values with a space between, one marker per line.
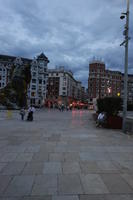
pixel 114 122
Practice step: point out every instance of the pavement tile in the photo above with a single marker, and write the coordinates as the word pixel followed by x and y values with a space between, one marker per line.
pixel 8 157
pixel 13 168
pixel 66 197
pixel 40 157
pixel 93 184
pixel 33 168
pixel 2 165
pixel 116 184
pixel 4 181
pixel 118 197
pixel 56 157
pixel 4 198
pixel 46 197
pixel 48 147
pixel 128 178
pixel 52 168
pixel 91 197
pixel 24 157
pixel 32 149
pixel 14 149
pixel 20 186
pixel 69 184
pixel 73 156
pixel 106 166
pixel 45 185
pixel 126 165
pixel 94 156
pixel 71 167
pixel 88 167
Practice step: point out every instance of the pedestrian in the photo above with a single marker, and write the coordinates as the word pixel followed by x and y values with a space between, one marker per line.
pixel 22 113
pixel 101 119
pixel 67 107
pixel 31 110
pixel 62 107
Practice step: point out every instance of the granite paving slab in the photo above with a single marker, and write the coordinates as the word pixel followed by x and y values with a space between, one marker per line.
pixel 33 168
pixel 13 168
pixel 20 186
pixel 91 197
pixel 71 167
pixel 66 197
pixel 45 185
pixel 4 182
pixel 69 184
pixel 40 157
pixel 116 184
pixel 52 168
pixel 93 184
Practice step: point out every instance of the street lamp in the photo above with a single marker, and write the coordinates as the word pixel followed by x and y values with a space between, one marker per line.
pixel 125 43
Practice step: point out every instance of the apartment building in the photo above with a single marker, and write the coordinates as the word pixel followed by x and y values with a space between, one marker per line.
pixel 102 82
pixel 38 86
pixel 6 65
pixel 63 88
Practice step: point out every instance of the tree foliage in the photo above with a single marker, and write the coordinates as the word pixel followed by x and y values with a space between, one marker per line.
pixel 110 105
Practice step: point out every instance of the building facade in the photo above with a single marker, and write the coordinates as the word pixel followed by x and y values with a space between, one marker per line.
pixel 6 66
pixel 103 83
pixel 63 88
pixel 38 86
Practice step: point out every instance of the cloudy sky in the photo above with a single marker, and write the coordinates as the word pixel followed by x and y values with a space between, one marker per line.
pixel 70 32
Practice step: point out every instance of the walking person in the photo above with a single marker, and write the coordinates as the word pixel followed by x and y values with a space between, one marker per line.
pixel 31 110
pixel 22 113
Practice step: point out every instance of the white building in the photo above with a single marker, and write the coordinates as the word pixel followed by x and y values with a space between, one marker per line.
pixel 38 85
pixel 5 67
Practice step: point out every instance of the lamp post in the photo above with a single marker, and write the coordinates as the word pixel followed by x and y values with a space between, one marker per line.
pixel 125 43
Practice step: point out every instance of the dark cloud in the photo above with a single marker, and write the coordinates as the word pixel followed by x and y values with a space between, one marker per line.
pixel 69 32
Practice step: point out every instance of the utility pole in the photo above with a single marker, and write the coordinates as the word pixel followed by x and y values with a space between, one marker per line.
pixel 126 31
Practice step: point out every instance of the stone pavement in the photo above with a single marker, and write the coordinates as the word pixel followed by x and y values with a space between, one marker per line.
pixel 63 156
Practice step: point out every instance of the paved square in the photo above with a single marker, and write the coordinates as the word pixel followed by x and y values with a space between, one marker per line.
pixel 63 156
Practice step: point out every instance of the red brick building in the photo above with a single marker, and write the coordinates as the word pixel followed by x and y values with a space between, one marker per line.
pixel 102 82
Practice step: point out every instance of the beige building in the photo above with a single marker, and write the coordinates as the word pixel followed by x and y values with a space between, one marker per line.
pixel 63 88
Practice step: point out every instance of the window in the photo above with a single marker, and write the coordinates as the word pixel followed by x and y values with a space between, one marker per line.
pixel 44 82
pixel 33 94
pixel 64 88
pixel 40 81
pixel 34 73
pixel 33 87
pixel 33 80
pixel 32 101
